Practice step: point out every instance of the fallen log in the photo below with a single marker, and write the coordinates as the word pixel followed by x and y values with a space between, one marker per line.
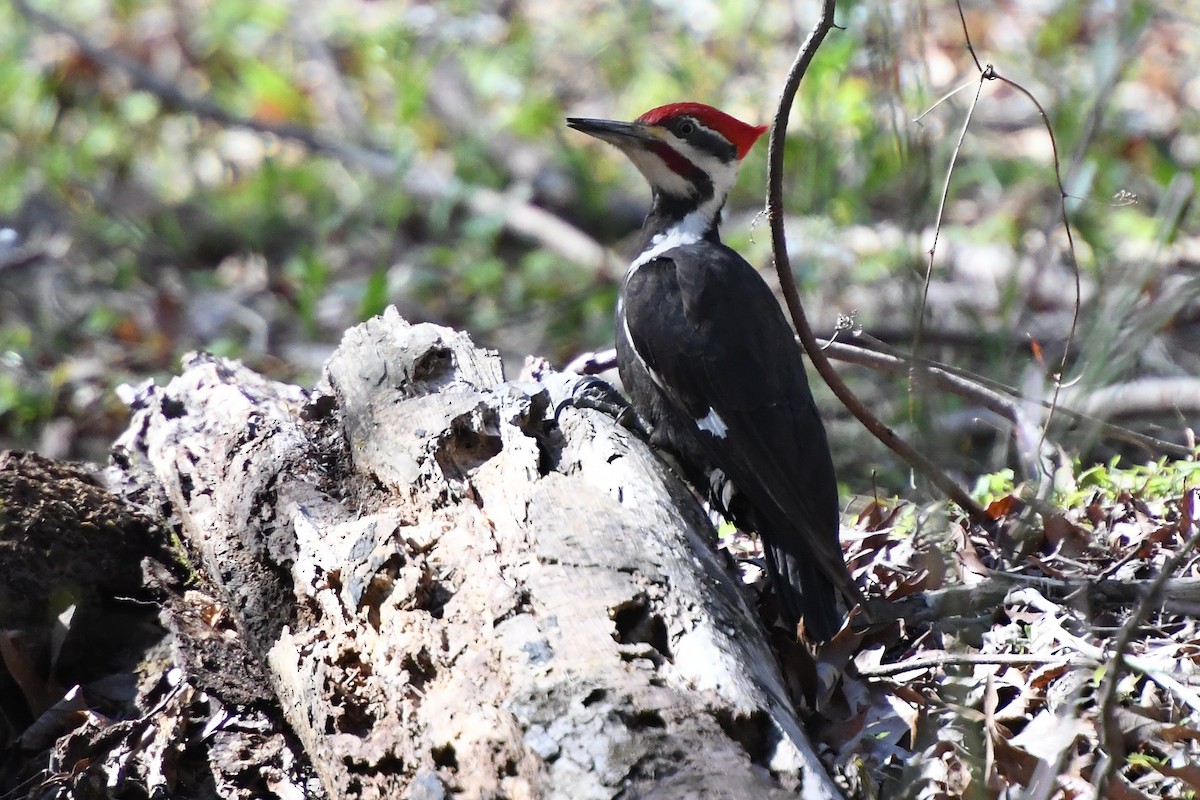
pixel 454 593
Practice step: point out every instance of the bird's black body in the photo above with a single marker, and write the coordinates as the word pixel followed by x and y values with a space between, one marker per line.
pixel 709 360
pixel 705 323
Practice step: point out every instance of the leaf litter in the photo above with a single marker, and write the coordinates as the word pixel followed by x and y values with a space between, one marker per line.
pixel 991 680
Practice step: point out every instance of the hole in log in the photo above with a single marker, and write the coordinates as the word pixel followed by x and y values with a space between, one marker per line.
pixel 354 719
pixel 445 757
pixel 172 408
pixel 420 668
pixel 473 439
pixel 754 732
pixel 432 596
pixel 641 720
pixel 637 624
pixel 433 363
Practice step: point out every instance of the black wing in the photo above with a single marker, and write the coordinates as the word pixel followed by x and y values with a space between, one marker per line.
pixel 715 339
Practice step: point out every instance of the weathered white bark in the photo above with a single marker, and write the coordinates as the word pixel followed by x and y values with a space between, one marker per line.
pixel 454 594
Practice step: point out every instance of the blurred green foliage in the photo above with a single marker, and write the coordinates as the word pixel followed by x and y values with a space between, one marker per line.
pixel 1106 483
pixel 166 228
pixel 1154 480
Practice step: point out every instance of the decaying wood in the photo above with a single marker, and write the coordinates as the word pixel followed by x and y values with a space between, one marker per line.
pixel 455 595
pixel 90 704
pixel 72 602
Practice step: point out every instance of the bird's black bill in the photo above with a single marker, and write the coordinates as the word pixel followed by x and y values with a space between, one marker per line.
pixel 611 130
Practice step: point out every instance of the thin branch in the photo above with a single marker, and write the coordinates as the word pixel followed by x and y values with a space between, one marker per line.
pixel 994 395
pixel 943 99
pixel 989 73
pixel 1062 202
pixel 1178 395
pixel 967 36
pixel 937 660
pixel 422 179
pixel 939 605
pixel 791 295
pixel 937 232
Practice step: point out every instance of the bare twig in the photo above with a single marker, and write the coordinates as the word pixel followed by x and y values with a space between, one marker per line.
pixel 988 72
pixel 999 397
pixel 791 295
pixel 937 232
pixel 1066 223
pixel 967 37
pixel 995 396
pixel 1181 596
pixel 1183 590
pixel 1179 395
pixel 944 98
pixel 943 659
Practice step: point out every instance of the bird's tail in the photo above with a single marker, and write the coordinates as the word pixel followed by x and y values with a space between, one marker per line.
pixel 804 593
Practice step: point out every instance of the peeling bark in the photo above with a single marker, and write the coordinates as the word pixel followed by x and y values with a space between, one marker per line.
pixel 454 594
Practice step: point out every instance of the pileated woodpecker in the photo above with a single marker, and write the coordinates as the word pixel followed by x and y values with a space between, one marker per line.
pixel 709 360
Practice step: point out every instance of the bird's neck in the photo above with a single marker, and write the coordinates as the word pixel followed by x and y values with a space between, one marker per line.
pixel 674 222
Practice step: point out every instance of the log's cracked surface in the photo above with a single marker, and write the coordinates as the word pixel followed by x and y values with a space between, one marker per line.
pixel 453 594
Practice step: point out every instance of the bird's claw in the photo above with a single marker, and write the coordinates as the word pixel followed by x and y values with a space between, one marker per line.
pixel 592 392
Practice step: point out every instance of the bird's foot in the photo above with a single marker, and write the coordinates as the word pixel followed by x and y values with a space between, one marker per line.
pixel 592 392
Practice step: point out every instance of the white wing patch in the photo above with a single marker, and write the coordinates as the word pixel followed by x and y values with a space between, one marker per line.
pixel 713 423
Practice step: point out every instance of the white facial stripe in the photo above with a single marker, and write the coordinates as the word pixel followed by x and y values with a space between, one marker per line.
pixel 723 175
pixel 658 174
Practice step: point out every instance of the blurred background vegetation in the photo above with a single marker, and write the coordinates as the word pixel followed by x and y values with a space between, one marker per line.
pixel 254 178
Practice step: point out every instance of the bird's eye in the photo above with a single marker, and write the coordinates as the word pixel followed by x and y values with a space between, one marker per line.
pixel 685 127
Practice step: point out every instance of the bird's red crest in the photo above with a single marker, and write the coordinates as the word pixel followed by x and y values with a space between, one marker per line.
pixel 740 133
